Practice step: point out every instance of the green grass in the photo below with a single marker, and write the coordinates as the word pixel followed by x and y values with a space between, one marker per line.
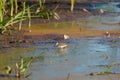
pixel 10 15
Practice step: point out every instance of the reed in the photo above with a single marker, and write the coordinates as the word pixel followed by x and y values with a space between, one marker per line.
pixel 11 7
pixel 2 14
pixel 72 5
pixel 11 10
pixel 22 16
pixel 16 6
pixel 2 9
pixel 29 18
pixel 41 4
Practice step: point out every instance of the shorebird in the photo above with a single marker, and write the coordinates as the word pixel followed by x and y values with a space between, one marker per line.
pixel 61 45
pixel 107 34
pixel 61 37
pixel 66 36
pixel 85 10
pixel 101 11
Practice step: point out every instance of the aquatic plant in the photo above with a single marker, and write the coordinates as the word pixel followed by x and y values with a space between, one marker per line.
pixel 8 70
pixel 20 68
pixel 108 70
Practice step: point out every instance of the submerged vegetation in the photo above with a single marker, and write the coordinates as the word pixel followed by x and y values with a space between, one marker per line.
pixel 12 13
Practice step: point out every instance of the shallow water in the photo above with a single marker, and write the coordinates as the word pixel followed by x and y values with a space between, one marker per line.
pixel 102 23
pixel 109 7
pixel 83 56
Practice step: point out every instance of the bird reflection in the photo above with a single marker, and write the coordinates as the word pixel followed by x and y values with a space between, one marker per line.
pixel 60 51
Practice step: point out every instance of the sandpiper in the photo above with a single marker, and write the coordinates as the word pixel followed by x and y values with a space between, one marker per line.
pixel 61 37
pixel 107 34
pixel 66 36
pixel 101 11
pixel 61 45
pixel 85 10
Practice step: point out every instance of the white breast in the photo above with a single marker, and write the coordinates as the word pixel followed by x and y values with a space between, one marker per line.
pixel 61 45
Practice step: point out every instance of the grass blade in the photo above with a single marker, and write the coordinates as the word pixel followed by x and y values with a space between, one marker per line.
pixel 16 6
pixel 29 18
pixel 23 12
pixel 72 5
